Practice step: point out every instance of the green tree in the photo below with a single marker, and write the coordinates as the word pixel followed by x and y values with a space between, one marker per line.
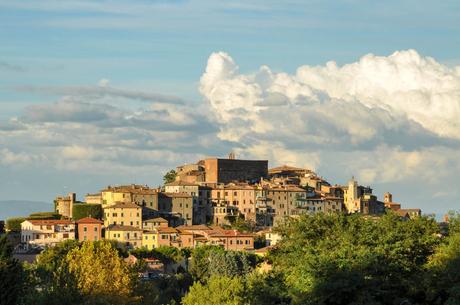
pixel 207 261
pixel 102 277
pixel 11 274
pixel 14 223
pixel 338 259
pixel 169 177
pixel 219 290
pixel 266 288
pixel 444 269
pixel 88 273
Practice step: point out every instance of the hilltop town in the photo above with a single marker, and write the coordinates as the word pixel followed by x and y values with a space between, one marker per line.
pixel 199 204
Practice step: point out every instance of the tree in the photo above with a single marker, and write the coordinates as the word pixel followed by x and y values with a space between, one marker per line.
pixel 338 259
pixel 101 275
pixel 11 274
pixel 88 273
pixel 444 268
pixel 266 288
pixel 169 177
pixel 14 223
pixel 219 290
pixel 207 261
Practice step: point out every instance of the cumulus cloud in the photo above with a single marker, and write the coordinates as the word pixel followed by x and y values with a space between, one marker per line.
pixel 399 111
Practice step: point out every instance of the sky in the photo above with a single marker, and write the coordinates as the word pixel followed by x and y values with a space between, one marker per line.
pixel 97 93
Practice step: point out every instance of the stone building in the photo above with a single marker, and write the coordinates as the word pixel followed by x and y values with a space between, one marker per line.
pixel 217 170
pixel 142 195
pixel 177 208
pixel 359 199
pixel 123 214
pixel 200 195
pixel 229 170
pixel 64 205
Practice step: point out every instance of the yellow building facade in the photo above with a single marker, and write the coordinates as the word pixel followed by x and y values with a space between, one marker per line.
pixel 123 214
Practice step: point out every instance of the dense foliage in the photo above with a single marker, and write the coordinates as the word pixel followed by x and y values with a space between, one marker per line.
pixel 44 215
pixel 82 210
pixel 207 261
pixel 169 177
pixel 11 274
pixel 322 259
pixel 14 223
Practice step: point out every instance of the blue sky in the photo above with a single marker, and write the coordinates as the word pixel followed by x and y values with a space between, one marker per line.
pixel 62 55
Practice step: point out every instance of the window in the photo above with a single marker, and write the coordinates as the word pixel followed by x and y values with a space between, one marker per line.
pixel 131 223
pixel 84 238
pixel 85 229
pixel 95 229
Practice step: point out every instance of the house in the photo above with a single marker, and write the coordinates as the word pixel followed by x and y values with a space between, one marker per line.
pixel 157 222
pixel 89 229
pixel 46 233
pixel 232 240
pixel 128 236
pixel 123 214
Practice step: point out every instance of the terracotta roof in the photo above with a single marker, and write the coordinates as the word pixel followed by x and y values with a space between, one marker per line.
pixel 124 205
pixel 264 249
pixel 122 228
pixel 194 227
pixel 402 213
pixel 179 195
pixel 89 220
pixel 230 233
pixel 49 222
pixel 181 183
pixel 157 219
pixel 166 230
pixel 134 189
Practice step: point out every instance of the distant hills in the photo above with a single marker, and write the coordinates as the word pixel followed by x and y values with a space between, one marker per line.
pixel 15 208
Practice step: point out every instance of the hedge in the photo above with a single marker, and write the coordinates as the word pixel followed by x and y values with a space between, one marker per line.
pixel 44 215
pixel 83 210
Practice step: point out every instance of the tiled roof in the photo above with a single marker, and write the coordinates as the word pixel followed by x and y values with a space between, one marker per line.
pixel 134 189
pixel 157 219
pixel 124 205
pixel 89 220
pixel 49 222
pixel 194 227
pixel 181 183
pixel 177 195
pixel 167 230
pixel 230 233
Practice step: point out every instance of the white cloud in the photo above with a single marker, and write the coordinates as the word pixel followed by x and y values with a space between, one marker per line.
pixel 386 117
